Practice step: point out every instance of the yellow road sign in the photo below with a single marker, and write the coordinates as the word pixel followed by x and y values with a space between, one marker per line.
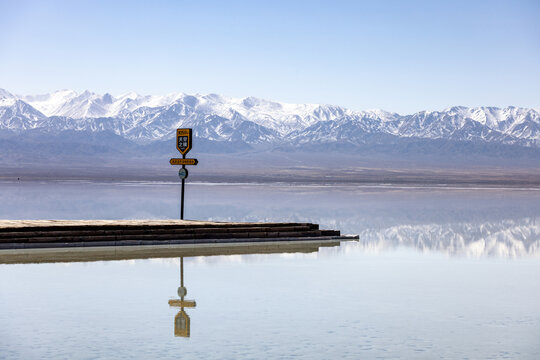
pixel 177 161
pixel 184 140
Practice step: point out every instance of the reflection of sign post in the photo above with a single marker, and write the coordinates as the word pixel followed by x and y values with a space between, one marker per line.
pixel 181 324
pixel 182 303
pixel 181 320
pixel 184 143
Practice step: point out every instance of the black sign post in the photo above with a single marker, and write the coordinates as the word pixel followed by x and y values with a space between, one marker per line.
pixel 184 142
pixel 182 195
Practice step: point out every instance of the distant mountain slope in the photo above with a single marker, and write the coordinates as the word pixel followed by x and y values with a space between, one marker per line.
pixel 255 124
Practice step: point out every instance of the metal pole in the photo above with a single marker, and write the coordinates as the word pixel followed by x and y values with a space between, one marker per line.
pixel 182 199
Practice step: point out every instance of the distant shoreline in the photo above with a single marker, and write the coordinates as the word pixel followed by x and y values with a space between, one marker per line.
pixel 404 180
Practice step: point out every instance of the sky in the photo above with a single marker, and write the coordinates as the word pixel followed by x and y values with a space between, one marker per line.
pixel 401 56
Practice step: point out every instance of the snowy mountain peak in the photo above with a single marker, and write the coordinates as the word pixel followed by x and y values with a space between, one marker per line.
pixel 147 118
pixel 4 94
pixel 130 95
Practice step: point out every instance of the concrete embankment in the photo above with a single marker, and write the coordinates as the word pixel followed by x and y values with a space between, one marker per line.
pixel 32 234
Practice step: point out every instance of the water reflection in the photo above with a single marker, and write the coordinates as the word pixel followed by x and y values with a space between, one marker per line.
pixel 53 255
pixel 400 304
pixel 457 222
pixel 506 238
pixel 181 320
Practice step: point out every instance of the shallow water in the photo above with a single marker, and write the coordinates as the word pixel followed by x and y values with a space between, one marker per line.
pixel 437 273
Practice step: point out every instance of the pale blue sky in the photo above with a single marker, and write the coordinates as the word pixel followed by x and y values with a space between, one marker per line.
pixel 401 56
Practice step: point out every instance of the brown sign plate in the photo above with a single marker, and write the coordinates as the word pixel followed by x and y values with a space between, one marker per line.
pixel 184 140
pixel 177 161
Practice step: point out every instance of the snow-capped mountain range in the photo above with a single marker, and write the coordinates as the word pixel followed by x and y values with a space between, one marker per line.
pixel 253 121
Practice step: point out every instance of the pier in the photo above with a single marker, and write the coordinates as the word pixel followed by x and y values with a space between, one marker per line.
pixel 41 234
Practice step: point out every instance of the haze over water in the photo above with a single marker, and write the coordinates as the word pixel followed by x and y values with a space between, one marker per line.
pixel 437 273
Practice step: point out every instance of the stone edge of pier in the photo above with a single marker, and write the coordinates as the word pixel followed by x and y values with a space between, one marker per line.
pixel 40 234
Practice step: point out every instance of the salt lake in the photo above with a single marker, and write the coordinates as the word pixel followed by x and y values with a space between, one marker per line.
pixel 436 273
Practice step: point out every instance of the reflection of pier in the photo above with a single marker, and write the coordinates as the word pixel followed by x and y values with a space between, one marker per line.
pixel 149 252
pixel 181 320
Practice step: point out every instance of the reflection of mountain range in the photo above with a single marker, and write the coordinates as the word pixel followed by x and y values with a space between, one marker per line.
pixel 507 238
pixel 456 222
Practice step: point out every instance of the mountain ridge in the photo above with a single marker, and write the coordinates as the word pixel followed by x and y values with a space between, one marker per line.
pixel 149 118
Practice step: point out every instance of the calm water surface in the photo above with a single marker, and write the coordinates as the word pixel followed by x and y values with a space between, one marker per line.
pixel 437 273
